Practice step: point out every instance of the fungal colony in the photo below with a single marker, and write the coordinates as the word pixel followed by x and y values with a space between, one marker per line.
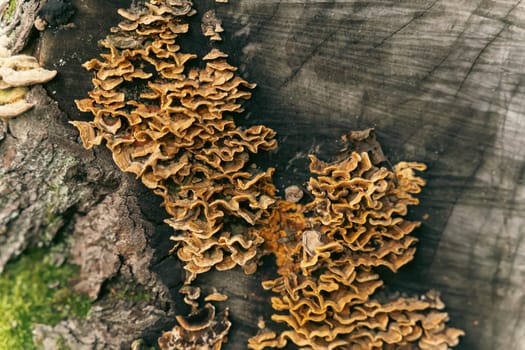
pixel 17 74
pixel 178 136
pixel 171 123
pixel 327 254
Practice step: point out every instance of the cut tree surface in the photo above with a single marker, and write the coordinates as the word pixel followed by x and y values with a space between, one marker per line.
pixel 442 84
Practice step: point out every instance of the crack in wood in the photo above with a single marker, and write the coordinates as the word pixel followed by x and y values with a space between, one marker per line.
pixel 414 18
pixel 306 59
pixel 486 46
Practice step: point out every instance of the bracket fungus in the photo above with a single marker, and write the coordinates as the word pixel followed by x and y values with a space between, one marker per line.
pixel 171 123
pixel 327 265
pixel 211 26
pixel 293 193
pixel 17 73
pixel 14 104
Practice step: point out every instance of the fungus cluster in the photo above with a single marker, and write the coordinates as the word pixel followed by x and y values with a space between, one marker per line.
pixel 17 74
pixel 404 323
pixel 172 126
pixel 327 252
pixel 170 122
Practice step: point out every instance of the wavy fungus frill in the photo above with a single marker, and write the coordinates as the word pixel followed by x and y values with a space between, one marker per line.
pixel 403 323
pixel 171 124
pixel 327 251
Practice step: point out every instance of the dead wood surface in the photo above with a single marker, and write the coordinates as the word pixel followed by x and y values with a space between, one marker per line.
pixel 441 81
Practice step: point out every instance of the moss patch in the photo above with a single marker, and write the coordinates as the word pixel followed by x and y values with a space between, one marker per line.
pixel 10 10
pixel 120 290
pixel 33 290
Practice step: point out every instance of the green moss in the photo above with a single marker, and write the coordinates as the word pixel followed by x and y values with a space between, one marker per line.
pixel 123 291
pixel 52 223
pixel 33 290
pixel 10 10
pixel 61 344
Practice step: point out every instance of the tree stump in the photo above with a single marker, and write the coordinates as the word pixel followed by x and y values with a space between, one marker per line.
pixel 442 84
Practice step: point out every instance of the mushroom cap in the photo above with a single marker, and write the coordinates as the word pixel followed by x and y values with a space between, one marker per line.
pixel 198 320
pixel 26 77
pixel 214 54
pixel 14 109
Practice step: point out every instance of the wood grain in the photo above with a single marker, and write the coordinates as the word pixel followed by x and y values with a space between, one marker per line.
pixel 441 81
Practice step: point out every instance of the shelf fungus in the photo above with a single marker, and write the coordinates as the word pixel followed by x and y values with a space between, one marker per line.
pixel 171 124
pixel 327 262
pixel 17 73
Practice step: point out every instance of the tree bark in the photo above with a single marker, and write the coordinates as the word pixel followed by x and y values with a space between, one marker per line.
pixel 440 81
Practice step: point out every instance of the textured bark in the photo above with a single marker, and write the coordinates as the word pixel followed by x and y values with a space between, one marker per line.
pixel 16 27
pixel 441 82
pixel 50 186
pixel 110 243
pixel 46 177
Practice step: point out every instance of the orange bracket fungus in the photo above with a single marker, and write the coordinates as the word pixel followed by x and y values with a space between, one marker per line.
pixel 333 244
pixel 171 123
